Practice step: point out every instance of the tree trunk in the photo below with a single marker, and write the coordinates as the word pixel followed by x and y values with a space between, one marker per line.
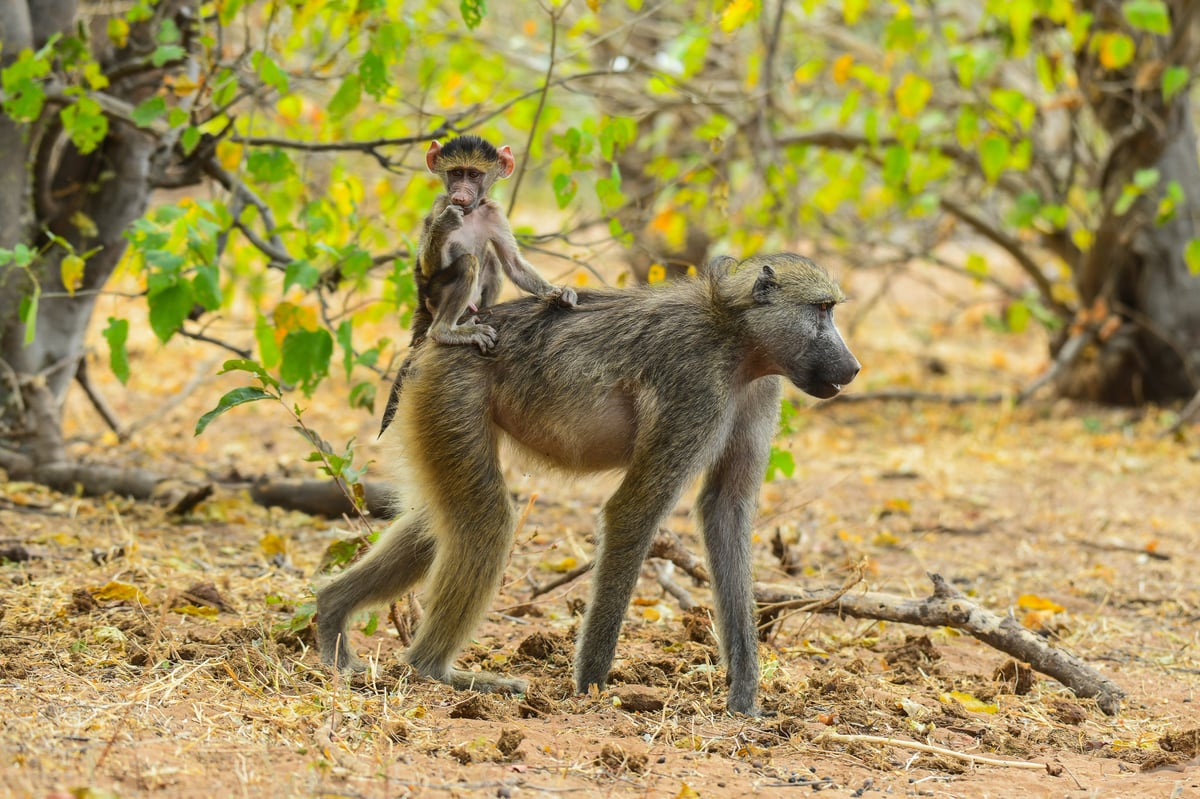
pixel 1135 269
pixel 88 200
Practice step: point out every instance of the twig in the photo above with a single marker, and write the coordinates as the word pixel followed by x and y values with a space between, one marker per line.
pixel 98 402
pixel 1066 356
pixel 935 750
pixel 537 115
pixel 905 395
pixel 662 570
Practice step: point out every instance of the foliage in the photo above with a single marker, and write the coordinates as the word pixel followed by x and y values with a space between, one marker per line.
pixel 911 124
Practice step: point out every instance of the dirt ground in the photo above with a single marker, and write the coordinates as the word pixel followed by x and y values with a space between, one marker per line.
pixel 143 655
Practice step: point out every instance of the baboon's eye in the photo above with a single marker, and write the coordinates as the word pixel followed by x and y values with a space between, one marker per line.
pixel 474 174
pixel 825 306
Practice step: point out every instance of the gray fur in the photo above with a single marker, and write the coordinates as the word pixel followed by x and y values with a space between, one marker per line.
pixel 666 382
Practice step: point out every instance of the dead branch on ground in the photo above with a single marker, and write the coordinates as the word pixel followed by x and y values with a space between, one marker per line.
pixel 947 607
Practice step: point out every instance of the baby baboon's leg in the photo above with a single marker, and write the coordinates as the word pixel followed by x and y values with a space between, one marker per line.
pixel 628 523
pixel 397 561
pixel 474 522
pixel 727 506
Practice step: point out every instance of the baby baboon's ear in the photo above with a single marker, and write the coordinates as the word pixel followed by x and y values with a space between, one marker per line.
pixel 765 286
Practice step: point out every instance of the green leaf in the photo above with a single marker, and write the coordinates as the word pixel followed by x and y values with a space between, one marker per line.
pixel 118 358
pixel 346 98
pixel 27 312
pixel 372 624
pixel 206 287
pixel 301 273
pixel 169 306
pixel 166 53
pixel 270 165
pixel 189 139
pixel 305 358
pixel 86 123
pixel 269 72
pixel 1191 256
pixel 1148 15
pixel 362 395
pixel 781 462
pixel 253 367
pixel 473 12
pixel 232 399
pixel 1174 79
pixel 565 187
pixel 1017 316
pixel 148 110
pixel 345 338
pixel 268 347
pixel 895 166
pixel 993 156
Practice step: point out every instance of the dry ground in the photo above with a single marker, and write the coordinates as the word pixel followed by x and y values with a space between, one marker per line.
pixel 1081 521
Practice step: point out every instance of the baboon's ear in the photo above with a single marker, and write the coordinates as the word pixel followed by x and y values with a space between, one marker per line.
pixel 721 265
pixel 765 286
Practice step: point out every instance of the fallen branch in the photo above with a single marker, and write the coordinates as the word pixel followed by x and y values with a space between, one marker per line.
pixel 947 607
pixel 933 750
pixel 321 497
pixel 666 545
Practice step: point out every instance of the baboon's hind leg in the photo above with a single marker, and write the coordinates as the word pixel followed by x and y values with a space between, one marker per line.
pixel 473 519
pixel 397 561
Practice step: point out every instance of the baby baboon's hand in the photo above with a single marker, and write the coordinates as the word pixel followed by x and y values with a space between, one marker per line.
pixel 451 218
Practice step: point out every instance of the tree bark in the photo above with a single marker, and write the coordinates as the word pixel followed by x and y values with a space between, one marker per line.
pixel 87 199
pixel 1135 269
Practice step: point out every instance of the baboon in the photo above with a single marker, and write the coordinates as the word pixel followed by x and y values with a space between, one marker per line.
pixel 465 242
pixel 665 382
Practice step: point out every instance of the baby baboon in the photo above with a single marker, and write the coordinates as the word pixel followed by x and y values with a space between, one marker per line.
pixel 465 242
pixel 666 382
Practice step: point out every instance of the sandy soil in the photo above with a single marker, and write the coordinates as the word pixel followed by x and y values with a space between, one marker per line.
pixel 143 655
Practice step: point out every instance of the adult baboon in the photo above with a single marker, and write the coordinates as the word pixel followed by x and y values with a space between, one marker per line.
pixel 666 382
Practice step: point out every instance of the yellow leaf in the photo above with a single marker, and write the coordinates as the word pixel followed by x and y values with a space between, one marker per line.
pixel 118 31
pixel 114 591
pixel 183 86
pixel 736 14
pixel 289 317
pixel 560 566
pixel 841 68
pixel 686 792
pixel 229 154
pixel 272 545
pixel 1035 602
pixel 969 702
pixel 581 279
pixel 852 10
pixel 84 224
pixel 651 614
pixel 912 93
pixel 195 610
pixel 898 505
pixel 71 269
pixel 656 274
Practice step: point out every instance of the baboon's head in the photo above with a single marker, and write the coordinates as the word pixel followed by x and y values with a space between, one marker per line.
pixel 790 317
